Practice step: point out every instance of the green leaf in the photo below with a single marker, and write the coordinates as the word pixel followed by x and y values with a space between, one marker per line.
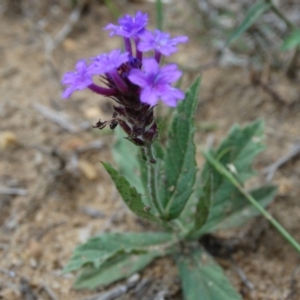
pixel 100 249
pixel 292 41
pixel 119 268
pixel 126 157
pixel 203 205
pixel 180 164
pixel 129 194
pixel 244 211
pixel 236 152
pixel 202 278
pixel 144 171
pixel 252 15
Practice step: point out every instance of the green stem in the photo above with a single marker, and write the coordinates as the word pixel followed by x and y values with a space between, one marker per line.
pixel 222 170
pixel 152 179
pixel 275 9
pixel 159 15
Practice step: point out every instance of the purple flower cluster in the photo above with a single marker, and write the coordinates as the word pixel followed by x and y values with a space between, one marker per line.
pixel 122 70
pixel 136 83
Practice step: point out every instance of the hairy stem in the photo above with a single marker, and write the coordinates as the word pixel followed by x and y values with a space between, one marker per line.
pixel 222 170
pixel 152 179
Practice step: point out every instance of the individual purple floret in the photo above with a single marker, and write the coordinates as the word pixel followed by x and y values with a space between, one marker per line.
pixel 155 83
pixel 108 64
pixel 82 79
pixel 77 80
pixel 105 63
pixel 160 42
pixel 129 26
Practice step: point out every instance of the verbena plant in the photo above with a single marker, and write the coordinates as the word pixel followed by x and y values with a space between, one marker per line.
pixel 161 183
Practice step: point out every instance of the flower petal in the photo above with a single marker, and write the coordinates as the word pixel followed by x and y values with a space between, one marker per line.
pixel 138 77
pixel 149 96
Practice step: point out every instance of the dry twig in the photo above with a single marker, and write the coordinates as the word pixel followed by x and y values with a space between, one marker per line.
pixel 66 29
pixel 49 291
pixel 56 117
pixel 142 287
pixel 116 291
pixel 293 283
pixel 242 275
pixel 270 170
pixel 256 81
pixel 91 212
pixel 161 295
pixel 13 191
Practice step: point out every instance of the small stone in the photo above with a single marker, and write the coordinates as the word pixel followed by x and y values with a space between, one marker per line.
pixel 87 169
pixel 84 234
pixel 93 113
pixel 33 263
pixel 70 45
pixel 9 294
pixel 7 140
pixel 72 144
pixel 34 249
pixel 284 186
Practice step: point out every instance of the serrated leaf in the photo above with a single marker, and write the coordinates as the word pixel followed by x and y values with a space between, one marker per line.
pixel 245 211
pixel 292 41
pixel 107 246
pixel 119 268
pixel 202 278
pixel 252 15
pixel 236 152
pixel 180 164
pixel 159 154
pixel 129 194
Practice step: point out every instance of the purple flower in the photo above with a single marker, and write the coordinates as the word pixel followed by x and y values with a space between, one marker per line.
pixel 155 83
pixel 129 26
pixel 108 64
pixel 105 63
pixel 160 42
pixel 77 80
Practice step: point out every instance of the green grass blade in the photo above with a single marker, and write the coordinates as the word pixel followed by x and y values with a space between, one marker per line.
pixel 159 15
pixel 227 203
pixel 264 196
pixel 292 41
pixel 252 15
